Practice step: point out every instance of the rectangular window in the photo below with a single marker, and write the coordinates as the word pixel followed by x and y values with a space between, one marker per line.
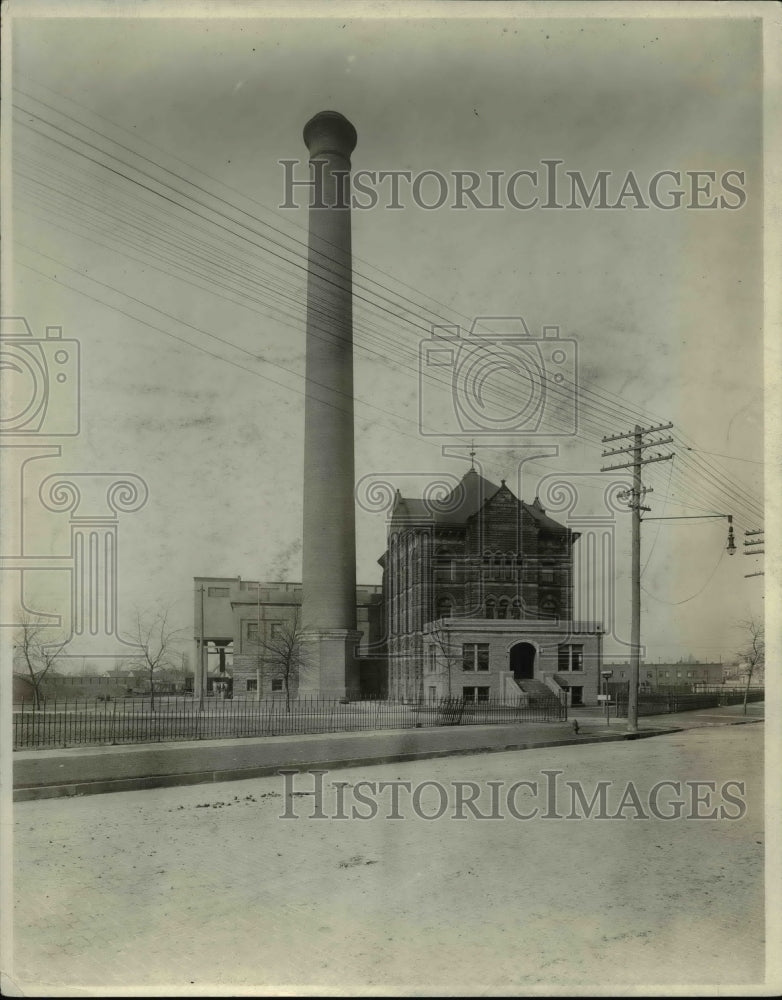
pixel 475 656
pixel 483 693
pixel 431 659
pixel 217 592
pixel 277 630
pixel 252 684
pixel 570 658
pixel 432 694
pixel 474 694
pixel 468 694
pixel 277 684
pixel 252 631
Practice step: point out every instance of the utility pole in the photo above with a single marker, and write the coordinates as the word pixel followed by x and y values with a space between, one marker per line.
pixel 634 498
pixel 754 547
pixel 258 677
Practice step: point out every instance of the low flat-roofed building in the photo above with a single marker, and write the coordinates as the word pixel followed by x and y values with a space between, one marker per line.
pixel 244 622
pixel 653 675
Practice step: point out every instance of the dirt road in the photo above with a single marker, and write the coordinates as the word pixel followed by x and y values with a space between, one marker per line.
pixel 205 889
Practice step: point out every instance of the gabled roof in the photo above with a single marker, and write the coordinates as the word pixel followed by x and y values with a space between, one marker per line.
pixel 463 502
pixel 466 499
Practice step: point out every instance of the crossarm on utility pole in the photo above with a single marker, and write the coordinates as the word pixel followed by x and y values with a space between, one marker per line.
pixel 636 495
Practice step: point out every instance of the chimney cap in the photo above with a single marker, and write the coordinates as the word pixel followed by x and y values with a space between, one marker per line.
pixel 330 132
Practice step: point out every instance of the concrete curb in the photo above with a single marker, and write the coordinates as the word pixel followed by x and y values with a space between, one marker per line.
pixel 28 793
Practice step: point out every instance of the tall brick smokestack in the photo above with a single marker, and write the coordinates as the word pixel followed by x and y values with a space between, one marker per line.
pixel 328 617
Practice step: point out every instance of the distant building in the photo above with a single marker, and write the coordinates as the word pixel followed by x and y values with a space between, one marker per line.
pixel 240 618
pixel 478 598
pixel 653 675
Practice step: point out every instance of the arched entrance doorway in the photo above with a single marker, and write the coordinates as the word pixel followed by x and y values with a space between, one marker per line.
pixel 522 661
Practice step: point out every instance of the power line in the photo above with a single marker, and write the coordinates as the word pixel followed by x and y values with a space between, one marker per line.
pixel 603 403
pixel 174 336
pixel 550 386
pixel 732 458
pixel 686 600
pixel 553 388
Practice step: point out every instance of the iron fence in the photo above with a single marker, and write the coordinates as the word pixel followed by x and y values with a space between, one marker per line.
pixel 663 701
pixel 82 722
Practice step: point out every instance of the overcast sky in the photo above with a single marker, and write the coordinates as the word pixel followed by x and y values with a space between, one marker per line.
pixel 191 320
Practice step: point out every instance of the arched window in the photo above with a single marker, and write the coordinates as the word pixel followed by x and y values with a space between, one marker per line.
pixel 515 611
pixel 444 607
pixel 491 607
pixel 502 610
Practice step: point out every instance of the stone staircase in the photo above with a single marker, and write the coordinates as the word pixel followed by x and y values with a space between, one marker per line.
pixel 536 691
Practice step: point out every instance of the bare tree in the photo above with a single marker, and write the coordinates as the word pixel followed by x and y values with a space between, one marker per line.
pixel 280 650
pixel 753 652
pixel 450 653
pixel 157 641
pixel 260 662
pixel 38 648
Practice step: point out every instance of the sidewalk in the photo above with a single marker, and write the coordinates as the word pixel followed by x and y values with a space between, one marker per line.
pixel 94 769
